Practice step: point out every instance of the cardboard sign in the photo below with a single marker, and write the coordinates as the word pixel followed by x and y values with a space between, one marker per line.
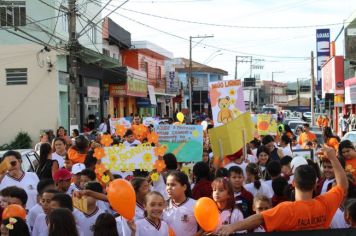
pixel 266 124
pixel 228 139
pixel 121 158
pixel 119 121
pixel 184 141
pixel 81 204
pixel 227 101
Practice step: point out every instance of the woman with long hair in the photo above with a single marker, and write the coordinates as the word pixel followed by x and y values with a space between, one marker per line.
pixel 78 152
pixel 47 167
pixel 61 222
pixel 62 133
pixel 330 139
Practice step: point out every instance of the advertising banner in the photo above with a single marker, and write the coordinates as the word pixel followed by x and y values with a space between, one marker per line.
pixel 322 52
pixel 184 141
pixel 227 101
pixel 333 76
pixel 350 91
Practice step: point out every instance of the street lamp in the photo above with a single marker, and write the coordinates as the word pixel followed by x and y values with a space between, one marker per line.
pixel 274 72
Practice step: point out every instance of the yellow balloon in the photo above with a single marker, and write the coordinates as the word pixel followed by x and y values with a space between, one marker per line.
pixel 180 117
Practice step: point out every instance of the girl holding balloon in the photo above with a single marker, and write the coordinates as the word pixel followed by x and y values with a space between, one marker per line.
pixel 151 225
pixel 179 214
pixel 223 195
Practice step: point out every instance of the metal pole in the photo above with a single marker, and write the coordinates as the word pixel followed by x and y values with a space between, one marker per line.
pixel 73 66
pixel 236 58
pixel 298 92
pixel 190 80
pixel 312 89
pixel 272 89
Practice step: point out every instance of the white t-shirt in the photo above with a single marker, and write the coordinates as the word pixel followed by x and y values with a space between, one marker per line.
pixel 32 215
pixel 122 223
pixel 89 220
pixel 28 181
pixel 145 227
pixel 181 217
pixel 264 189
pixel 227 217
pixel 59 159
pixel 269 184
pixel 287 151
pixel 40 227
pixel 72 188
pixel 160 186
pixel 324 189
pixel 338 221
pixel 133 144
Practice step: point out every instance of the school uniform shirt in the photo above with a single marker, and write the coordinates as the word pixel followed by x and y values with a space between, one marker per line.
pixel 139 212
pixel 122 223
pixel 338 221
pixel 133 144
pixel 180 218
pixel 269 184
pixel 287 151
pixel 146 227
pixel 229 216
pixel 264 189
pixel 160 186
pixel 327 185
pixel 104 206
pixel 72 188
pixel 89 220
pixel 32 215
pixel 28 181
pixel 59 159
pixel 244 200
pixel 40 227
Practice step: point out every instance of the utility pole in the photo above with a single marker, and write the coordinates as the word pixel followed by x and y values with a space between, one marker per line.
pixel 190 79
pixel 312 88
pixel 73 63
pixel 236 58
pixel 243 59
pixel 298 91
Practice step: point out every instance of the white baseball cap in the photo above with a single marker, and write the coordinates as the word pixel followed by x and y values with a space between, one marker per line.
pixel 77 168
pixel 297 161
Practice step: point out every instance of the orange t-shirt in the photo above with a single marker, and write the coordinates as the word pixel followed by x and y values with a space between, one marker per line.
pixel 325 122
pixel 320 121
pixel 351 166
pixel 75 156
pixel 332 142
pixel 304 215
pixel 306 137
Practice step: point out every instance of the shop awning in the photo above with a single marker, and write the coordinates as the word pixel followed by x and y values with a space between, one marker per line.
pixel 90 56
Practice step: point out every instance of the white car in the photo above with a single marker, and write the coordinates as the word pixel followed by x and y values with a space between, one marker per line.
pixel 294 124
pixel 350 136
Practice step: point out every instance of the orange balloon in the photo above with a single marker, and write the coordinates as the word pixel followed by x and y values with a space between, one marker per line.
pixel 14 210
pixel 122 198
pixel 207 214
pixel 171 232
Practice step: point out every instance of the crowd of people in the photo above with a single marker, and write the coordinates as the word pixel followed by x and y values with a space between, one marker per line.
pixel 263 187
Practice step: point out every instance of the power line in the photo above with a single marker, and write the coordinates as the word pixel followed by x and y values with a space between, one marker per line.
pixel 55 25
pixel 91 40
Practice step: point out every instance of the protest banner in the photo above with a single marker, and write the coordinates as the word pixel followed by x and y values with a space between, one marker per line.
pixel 231 137
pixel 147 121
pixel 184 141
pixel 227 101
pixel 266 124
pixel 121 158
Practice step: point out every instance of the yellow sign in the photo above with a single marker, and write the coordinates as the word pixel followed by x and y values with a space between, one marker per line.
pixel 266 124
pixel 231 137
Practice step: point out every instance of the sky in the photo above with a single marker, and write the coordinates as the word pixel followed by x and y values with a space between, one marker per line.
pixel 283 50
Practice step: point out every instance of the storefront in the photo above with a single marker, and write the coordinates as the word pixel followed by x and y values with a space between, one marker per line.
pixel 122 97
pixel 350 95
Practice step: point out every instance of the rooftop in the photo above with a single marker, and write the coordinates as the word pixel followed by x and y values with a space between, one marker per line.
pixel 183 65
pixel 152 49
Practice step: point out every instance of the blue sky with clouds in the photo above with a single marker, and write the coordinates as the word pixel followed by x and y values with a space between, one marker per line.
pixel 267 42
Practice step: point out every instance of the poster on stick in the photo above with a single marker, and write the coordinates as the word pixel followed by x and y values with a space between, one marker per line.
pixel 184 141
pixel 227 101
pixel 266 124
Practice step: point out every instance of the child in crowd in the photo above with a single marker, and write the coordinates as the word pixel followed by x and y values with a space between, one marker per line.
pixel 68 164
pixel 86 176
pixel 255 185
pixel 130 139
pixel 93 211
pixel 274 170
pixel 223 195
pixel 18 227
pixel 179 214
pixel 40 227
pixel 223 172
pixel 105 224
pixel 62 179
pixel 62 222
pixel 348 153
pixel 13 195
pixel 350 213
pixel 260 204
pixel 243 198
pixel 151 225
pixel 286 168
pixel 326 183
pixel 279 186
pixel 202 187
pixel 42 186
pixel 236 159
pixel 263 157
pixel 142 188
pixel 285 144
pixel 76 171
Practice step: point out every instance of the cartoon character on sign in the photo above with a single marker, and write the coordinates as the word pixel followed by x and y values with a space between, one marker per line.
pixel 225 115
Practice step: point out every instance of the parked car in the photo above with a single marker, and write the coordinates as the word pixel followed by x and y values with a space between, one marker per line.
pixel 307 116
pixel 350 136
pixel 286 121
pixel 30 159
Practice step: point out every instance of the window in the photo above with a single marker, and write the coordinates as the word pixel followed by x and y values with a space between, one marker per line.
pixel 106 52
pixel 92 33
pixel 12 13
pixel 16 76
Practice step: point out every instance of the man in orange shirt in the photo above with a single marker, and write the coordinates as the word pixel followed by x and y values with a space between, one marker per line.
pixel 306 213
pixel 306 136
